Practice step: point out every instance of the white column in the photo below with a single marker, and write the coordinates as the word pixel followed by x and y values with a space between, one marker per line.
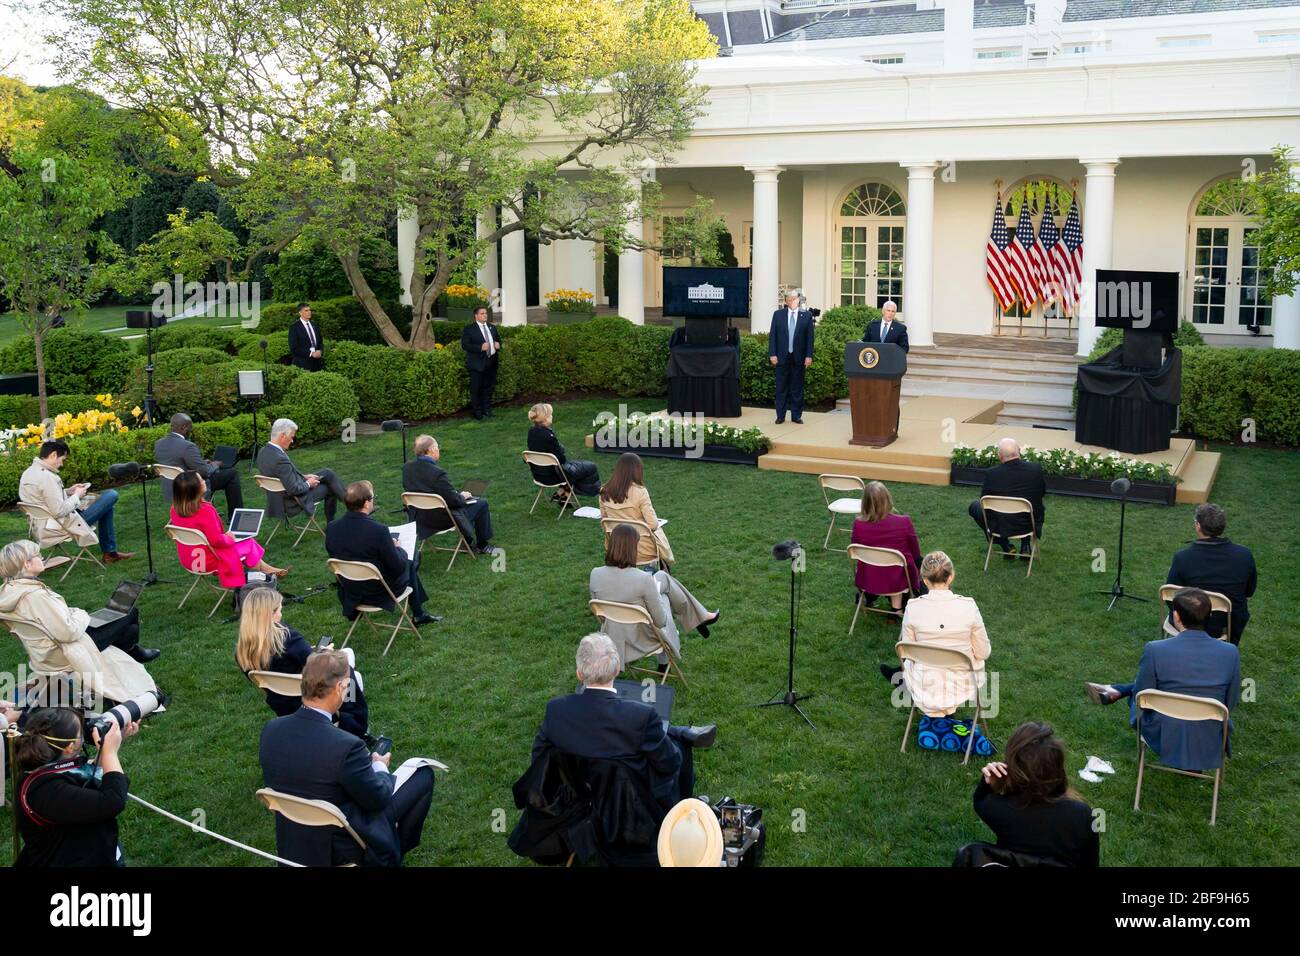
pixel 918 253
pixel 814 266
pixel 514 281
pixel 408 234
pixel 764 256
pixel 488 274
pixel 1286 308
pixel 631 263
pixel 575 264
pixel 1098 241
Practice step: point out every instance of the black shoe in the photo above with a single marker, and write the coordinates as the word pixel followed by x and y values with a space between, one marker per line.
pixel 143 655
pixel 478 417
pixel 424 619
pixel 889 672
pixel 780 421
pixel 797 421
pixel 488 413
pixel 704 628
pixel 485 549
pixel 701 738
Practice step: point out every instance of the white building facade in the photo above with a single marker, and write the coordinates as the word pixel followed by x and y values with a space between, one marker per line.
pixel 856 151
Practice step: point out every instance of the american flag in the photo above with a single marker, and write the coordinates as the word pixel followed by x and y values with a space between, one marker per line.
pixel 1067 258
pixel 995 259
pixel 1024 269
pixel 1048 238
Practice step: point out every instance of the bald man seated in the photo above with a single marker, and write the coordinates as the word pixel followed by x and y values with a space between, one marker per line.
pixel 1013 478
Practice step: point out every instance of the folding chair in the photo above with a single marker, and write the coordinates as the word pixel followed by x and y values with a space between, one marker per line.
pixel 999 504
pixel 308 813
pixel 193 538
pixel 544 459
pixel 609 524
pixel 621 613
pixel 879 558
pixel 276 486
pixel 946 657
pixel 1220 603
pixel 39 519
pixel 1182 707
pixel 365 571
pixel 170 472
pixel 426 501
pixel 286 685
pixel 840 506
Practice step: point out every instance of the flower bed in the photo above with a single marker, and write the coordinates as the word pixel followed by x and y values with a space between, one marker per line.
pixel 677 437
pixel 1084 475
pixel 67 425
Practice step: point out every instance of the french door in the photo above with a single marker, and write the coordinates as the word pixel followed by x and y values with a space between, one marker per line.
pixel 870 265
pixel 1224 288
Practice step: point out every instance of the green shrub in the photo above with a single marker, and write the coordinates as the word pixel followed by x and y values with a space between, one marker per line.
pixel 76 360
pixel 204 392
pixel 322 401
pixel 236 430
pixel 178 360
pixel 180 335
pixel 377 374
pixel 307 270
pixel 338 319
pixel 436 384
pixel 277 349
pixel 18 410
pixel 845 323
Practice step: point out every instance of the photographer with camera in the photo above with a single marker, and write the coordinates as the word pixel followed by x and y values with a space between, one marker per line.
pixel 67 805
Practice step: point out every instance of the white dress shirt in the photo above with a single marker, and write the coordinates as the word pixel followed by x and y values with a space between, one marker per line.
pixel 487 337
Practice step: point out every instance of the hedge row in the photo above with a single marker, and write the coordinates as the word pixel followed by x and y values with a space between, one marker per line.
pixel 76 360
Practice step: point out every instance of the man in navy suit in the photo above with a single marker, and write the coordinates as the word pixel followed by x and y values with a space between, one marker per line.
pixel 790 350
pixel 481 343
pixel 597 723
pixel 306 755
pixel 1191 663
pixel 886 329
pixel 356 536
pixel 306 347
pixel 1213 563
pixel 1013 478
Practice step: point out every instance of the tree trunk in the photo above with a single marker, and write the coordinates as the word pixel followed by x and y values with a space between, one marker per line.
pixel 38 340
pixel 369 301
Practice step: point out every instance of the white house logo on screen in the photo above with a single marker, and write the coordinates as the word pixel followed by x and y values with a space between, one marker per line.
pixel 77 909
pixel 705 292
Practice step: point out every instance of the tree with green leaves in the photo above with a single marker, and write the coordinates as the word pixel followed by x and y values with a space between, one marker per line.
pixel 60 173
pixel 323 118
pixel 1276 195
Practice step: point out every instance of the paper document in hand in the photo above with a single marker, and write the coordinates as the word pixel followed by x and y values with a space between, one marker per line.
pixel 409 766
pixel 404 535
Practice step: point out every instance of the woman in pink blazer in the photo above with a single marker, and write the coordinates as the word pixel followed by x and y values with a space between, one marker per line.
pixel 229 557
pixel 880 527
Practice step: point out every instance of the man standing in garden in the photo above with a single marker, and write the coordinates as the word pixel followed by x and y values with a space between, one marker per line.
pixel 305 344
pixel 482 345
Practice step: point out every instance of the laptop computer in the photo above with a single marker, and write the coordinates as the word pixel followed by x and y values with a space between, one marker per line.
pixel 661 701
pixel 476 486
pixel 246 522
pixel 119 605
pixel 226 454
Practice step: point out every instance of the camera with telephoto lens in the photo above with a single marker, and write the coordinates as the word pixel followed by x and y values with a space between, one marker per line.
pixel 135 709
pixel 744 836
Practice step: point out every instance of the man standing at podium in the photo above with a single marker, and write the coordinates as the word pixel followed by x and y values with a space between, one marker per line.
pixel 790 350
pixel 885 329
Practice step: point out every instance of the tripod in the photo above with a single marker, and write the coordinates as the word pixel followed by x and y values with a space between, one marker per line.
pixel 144 478
pixel 397 425
pixel 150 404
pixel 1120 486
pixel 789 698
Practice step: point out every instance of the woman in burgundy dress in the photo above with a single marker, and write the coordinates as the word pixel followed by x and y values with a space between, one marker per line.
pixel 229 557
pixel 878 526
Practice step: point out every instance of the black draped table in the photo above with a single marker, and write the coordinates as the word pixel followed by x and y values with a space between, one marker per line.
pixel 1128 409
pixel 704 379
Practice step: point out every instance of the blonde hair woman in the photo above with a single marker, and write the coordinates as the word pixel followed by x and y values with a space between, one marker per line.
pixel 582 475
pixel 64 646
pixel 266 644
pixel 879 526
pixel 945 619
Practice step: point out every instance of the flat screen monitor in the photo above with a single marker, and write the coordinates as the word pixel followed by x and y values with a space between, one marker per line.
pixel 1130 299
pixel 703 291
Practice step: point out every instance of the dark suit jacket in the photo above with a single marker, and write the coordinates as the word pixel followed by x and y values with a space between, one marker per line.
pixel 354 536
pixel 1216 564
pixel 597 724
pixel 1016 479
pixel 426 475
pixel 300 346
pixel 897 333
pixel 778 337
pixel 541 438
pixel 273 461
pixel 471 339
pixel 1193 663
pixel 307 756
pixel 176 450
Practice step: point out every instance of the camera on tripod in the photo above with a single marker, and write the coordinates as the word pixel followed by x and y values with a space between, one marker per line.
pixel 744 836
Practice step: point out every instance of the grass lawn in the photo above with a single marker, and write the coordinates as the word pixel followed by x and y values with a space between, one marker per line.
pixel 472 690
pixel 103 319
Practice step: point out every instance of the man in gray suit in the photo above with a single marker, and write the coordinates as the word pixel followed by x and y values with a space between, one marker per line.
pixel 305 491
pixel 176 449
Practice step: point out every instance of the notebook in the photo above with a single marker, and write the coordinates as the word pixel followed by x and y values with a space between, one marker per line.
pixel 476 486
pixel 119 605
pixel 246 523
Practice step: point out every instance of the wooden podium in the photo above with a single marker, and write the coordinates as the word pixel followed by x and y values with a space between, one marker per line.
pixel 875 373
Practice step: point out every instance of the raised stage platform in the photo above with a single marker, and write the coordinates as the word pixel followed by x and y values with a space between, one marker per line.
pixel 923 451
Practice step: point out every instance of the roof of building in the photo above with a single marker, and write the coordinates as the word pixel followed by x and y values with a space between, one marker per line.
pixel 1116 9
pixel 865 23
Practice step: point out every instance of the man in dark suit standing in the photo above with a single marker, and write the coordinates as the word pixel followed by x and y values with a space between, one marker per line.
pixel 305 490
pixel 1191 662
pixel 1013 478
pixel 423 473
pixel 306 347
pixel 790 350
pixel 482 344
pixel 306 755
pixel 356 536
pixel 886 329
pixel 1213 563
pixel 597 723
pixel 176 449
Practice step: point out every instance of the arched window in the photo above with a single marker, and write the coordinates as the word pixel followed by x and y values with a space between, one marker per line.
pixel 871 221
pixel 873 199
